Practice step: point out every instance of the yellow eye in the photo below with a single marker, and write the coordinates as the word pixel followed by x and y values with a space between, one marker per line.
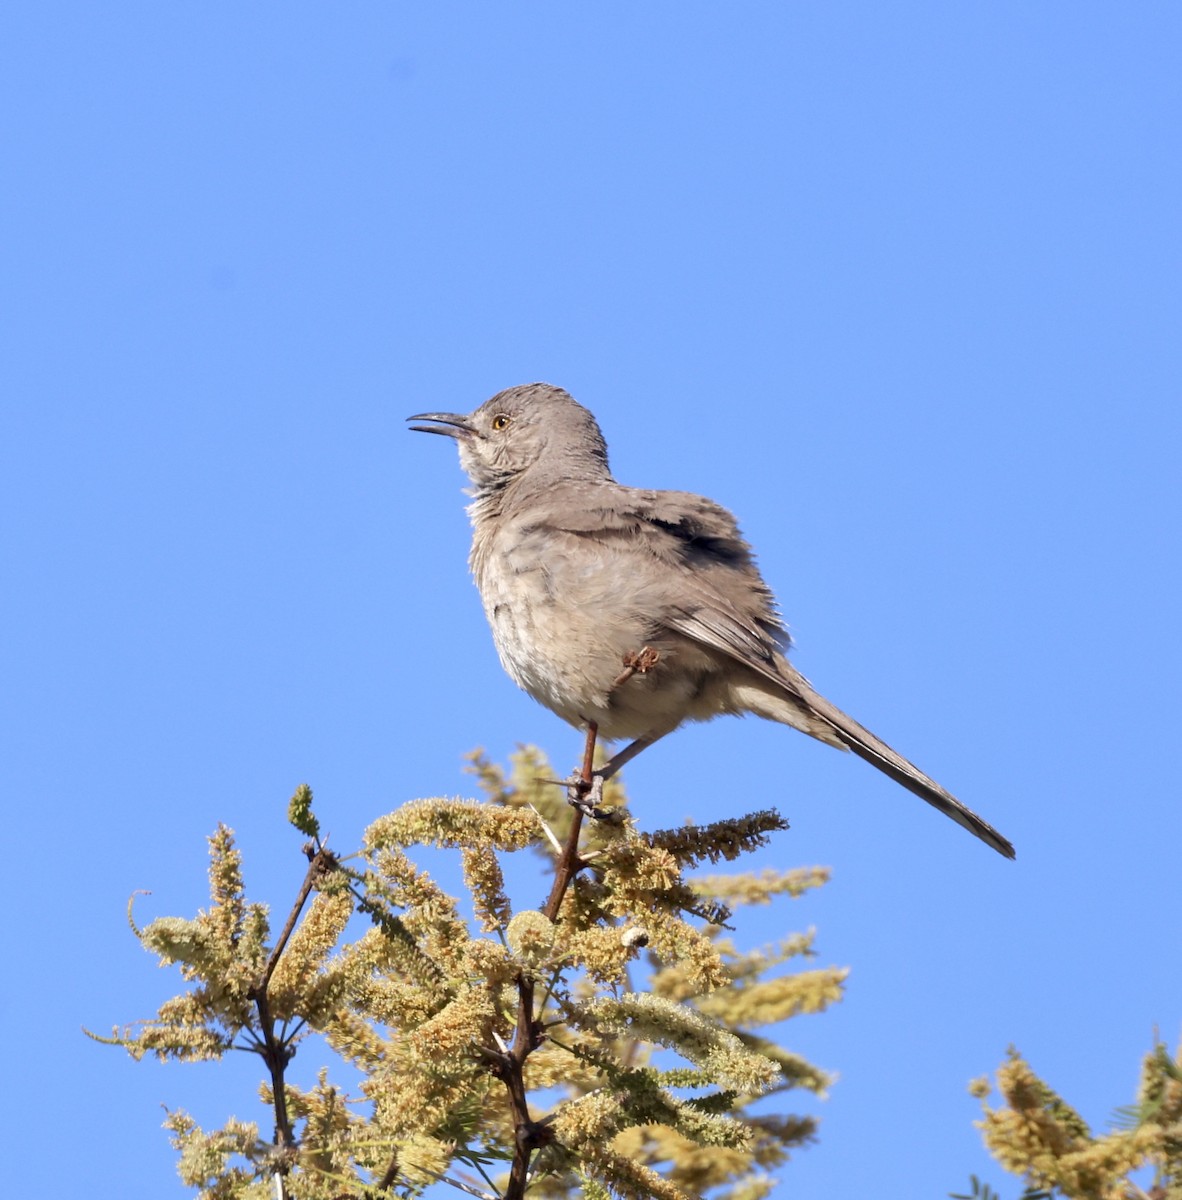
pixel 500 421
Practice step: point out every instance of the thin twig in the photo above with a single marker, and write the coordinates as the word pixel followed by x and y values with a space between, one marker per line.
pixel 276 1051
pixel 566 868
pixel 467 1187
pixel 484 1176
pixel 550 835
pixel 276 1055
pixel 321 863
pixel 389 1175
pixel 530 1135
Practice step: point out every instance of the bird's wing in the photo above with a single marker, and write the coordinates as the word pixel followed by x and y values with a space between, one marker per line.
pixel 722 602
pixel 716 594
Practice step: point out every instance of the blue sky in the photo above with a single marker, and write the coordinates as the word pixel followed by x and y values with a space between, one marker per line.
pixel 898 284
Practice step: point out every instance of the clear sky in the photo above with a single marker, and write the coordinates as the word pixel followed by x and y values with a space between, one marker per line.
pixel 897 283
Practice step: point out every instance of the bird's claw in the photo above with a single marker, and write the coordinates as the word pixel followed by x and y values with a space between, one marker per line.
pixel 588 797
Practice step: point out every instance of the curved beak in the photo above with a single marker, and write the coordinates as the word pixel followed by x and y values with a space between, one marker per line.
pixel 449 424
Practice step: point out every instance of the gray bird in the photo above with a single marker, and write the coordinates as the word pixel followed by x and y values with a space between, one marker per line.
pixel 631 609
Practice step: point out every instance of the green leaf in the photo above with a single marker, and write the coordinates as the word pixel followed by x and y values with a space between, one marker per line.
pixel 299 812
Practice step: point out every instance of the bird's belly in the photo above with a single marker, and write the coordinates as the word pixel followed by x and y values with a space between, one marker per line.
pixel 569 656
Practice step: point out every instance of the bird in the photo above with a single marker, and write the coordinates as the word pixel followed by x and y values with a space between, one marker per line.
pixel 627 611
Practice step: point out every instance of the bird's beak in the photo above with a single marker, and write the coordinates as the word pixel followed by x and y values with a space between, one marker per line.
pixel 449 424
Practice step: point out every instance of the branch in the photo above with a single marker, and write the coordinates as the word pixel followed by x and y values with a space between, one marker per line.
pixel 530 1135
pixel 275 1051
pixel 320 864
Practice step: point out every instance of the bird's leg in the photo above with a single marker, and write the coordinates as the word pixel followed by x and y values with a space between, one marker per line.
pixel 626 755
pixel 585 791
pixel 588 756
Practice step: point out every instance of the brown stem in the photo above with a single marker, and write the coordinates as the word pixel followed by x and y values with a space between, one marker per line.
pixel 389 1175
pixel 530 1134
pixel 321 863
pixel 568 861
pixel 276 1055
pixel 275 1052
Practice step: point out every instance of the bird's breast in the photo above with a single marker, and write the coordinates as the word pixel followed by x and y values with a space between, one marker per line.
pixel 564 616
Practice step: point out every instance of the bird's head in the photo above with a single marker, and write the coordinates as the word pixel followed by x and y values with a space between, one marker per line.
pixel 534 428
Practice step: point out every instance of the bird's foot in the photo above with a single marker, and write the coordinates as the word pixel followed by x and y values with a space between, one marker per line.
pixel 588 798
pixel 637 662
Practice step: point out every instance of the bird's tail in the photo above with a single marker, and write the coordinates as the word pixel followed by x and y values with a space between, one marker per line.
pixel 838 729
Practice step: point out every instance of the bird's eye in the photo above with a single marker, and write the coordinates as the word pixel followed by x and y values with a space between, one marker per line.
pixel 500 421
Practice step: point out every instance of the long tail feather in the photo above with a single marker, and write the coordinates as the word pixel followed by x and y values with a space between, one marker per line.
pixel 890 762
pixel 796 703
